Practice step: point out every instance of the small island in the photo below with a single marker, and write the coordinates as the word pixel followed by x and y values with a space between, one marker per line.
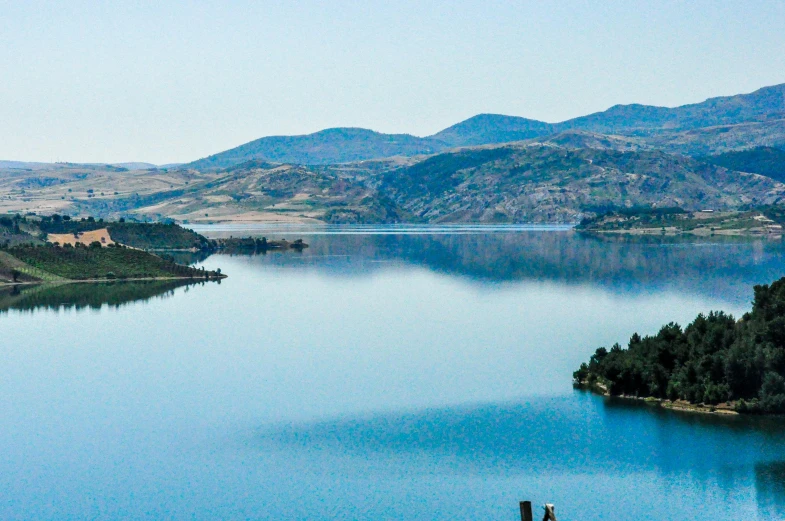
pixel 58 248
pixel 715 364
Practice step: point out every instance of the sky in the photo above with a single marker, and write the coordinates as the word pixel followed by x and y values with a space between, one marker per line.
pixel 170 81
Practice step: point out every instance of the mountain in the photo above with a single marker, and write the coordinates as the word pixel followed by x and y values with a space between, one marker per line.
pixel 762 112
pixel 766 161
pixel 334 145
pixel 485 129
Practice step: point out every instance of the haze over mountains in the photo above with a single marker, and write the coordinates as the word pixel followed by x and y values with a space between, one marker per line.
pixel 724 153
pixel 725 123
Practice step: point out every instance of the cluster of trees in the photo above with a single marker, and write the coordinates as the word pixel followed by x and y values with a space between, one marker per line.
pixel 715 359
pixel 154 236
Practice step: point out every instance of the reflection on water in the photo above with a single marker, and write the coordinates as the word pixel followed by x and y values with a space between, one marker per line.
pixel 722 267
pixel 86 295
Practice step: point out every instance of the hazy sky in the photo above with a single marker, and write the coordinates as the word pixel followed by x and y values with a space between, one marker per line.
pixel 174 81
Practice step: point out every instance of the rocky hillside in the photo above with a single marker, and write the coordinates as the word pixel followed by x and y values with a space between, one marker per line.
pixel 544 183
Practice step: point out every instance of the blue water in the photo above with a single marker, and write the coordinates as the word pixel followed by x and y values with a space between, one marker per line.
pixel 380 376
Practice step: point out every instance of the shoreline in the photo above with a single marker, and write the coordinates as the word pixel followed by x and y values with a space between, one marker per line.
pixel 725 409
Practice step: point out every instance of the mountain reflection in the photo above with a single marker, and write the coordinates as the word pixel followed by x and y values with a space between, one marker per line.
pixel 86 296
pixel 726 267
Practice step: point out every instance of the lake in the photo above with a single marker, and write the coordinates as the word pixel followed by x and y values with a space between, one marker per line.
pixel 394 373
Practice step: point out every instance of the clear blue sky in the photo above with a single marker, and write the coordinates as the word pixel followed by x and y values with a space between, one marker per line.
pixel 175 81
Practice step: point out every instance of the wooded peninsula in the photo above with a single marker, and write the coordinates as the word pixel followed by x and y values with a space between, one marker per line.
pixel 717 363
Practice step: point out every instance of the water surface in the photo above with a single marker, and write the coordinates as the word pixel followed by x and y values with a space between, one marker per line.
pixel 396 375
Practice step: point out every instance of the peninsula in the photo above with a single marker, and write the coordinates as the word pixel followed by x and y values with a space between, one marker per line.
pixel 716 364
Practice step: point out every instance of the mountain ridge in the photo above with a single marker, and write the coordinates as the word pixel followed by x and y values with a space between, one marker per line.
pixel 332 145
pixel 648 123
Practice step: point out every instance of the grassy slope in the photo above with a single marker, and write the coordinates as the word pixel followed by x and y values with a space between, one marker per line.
pixel 101 263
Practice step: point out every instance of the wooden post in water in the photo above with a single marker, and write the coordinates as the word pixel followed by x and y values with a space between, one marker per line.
pixel 549 514
pixel 526 511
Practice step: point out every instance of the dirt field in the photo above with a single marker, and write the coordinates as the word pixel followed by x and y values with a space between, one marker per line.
pixel 86 238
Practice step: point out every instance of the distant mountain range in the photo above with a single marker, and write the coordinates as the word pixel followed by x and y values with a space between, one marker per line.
pixel 714 126
pixel 723 154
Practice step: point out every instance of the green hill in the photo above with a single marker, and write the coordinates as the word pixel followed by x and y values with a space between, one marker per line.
pixel 493 128
pixel 334 145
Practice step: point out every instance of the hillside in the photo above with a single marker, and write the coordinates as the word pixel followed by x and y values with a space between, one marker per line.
pixel 542 183
pixel 766 161
pixel 259 191
pixel 334 145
